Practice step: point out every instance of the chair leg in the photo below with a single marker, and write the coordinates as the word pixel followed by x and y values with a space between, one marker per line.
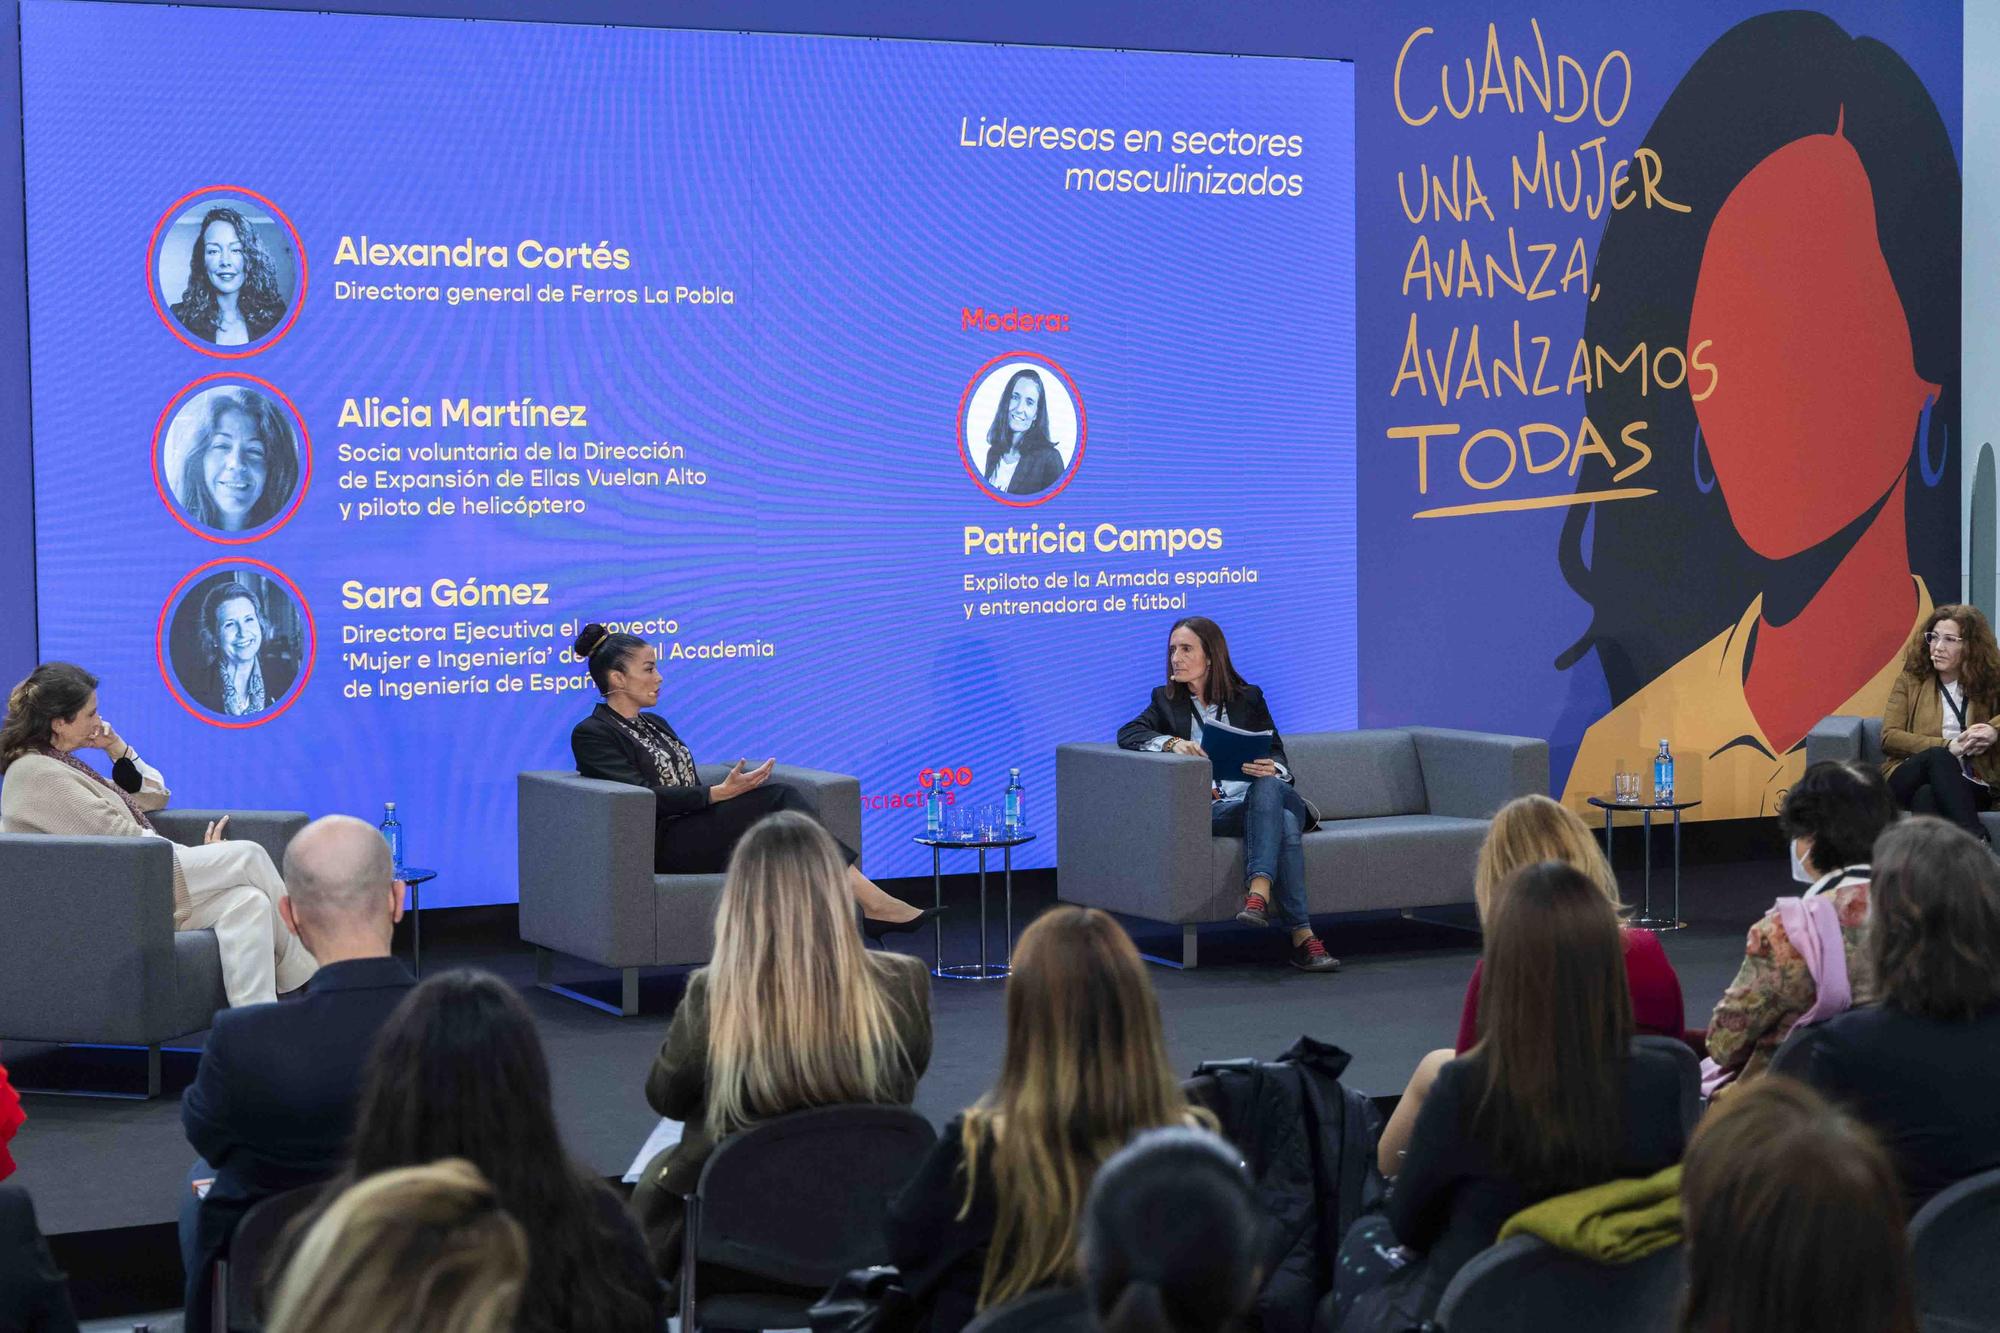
pixel 690 1225
pixel 628 987
pixel 628 992
pixel 1190 939
pixel 545 966
pixel 152 1071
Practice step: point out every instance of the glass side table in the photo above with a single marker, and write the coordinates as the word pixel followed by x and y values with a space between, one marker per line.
pixel 1647 809
pixel 416 877
pixel 1004 843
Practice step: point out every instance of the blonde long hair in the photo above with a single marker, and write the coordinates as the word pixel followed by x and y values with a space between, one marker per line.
pixel 420 1247
pixel 1085 1069
pixel 1532 829
pixel 798 1011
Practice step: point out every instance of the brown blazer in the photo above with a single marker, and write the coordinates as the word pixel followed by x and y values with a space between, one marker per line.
pixel 1913 722
pixel 677 1088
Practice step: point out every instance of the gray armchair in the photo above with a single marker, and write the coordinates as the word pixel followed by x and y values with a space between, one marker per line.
pixel 90 953
pixel 1403 814
pixel 1860 739
pixel 587 883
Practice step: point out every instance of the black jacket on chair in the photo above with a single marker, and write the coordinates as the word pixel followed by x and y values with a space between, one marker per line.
pixel 34 1297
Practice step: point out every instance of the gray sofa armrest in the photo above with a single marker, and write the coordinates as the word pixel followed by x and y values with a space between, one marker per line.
pixel 585 856
pixel 1836 737
pixel 273 830
pixel 1134 832
pixel 1471 774
pixel 834 797
pixel 88 949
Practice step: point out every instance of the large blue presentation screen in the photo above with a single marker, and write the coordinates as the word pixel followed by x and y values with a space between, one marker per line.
pixel 902 393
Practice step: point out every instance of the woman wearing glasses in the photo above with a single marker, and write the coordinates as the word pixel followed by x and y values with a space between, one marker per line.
pixel 1939 729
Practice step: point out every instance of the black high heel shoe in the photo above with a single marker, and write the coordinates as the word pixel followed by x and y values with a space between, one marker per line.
pixel 875 929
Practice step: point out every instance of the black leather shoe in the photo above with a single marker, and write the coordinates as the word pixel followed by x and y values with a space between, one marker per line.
pixel 875 930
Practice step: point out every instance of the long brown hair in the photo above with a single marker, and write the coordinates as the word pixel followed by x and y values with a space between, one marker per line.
pixel 798 1011
pixel 1978 670
pixel 52 690
pixel 1222 683
pixel 1555 1027
pixel 1534 828
pixel 1793 1220
pixel 1934 927
pixel 1085 1069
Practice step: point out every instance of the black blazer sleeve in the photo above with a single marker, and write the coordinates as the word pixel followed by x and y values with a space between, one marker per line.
pixel 1420 1205
pixel 601 753
pixel 33 1292
pixel 1157 720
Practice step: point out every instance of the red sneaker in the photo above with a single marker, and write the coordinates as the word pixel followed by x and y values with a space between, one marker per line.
pixel 1255 910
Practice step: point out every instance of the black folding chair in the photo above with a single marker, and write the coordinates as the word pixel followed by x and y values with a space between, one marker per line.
pixel 798 1200
pixel 1526 1285
pixel 1063 1310
pixel 1954 1240
pixel 239 1275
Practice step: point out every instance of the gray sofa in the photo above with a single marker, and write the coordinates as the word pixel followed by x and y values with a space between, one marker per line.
pixel 587 883
pixel 1860 738
pixel 1404 812
pixel 90 953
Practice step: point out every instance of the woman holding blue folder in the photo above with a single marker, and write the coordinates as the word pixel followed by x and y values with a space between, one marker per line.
pixel 1261 806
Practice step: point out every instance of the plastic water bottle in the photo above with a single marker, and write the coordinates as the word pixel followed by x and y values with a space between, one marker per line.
pixel 392 833
pixel 1663 776
pixel 934 811
pixel 1012 817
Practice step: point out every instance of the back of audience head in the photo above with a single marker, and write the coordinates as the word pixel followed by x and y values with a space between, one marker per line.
pixel 1529 829
pixel 458 1071
pixel 1838 809
pixel 1934 931
pixel 796 1017
pixel 1172 1236
pixel 1555 1025
pixel 1085 1067
pixel 424 1247
pixel 341 895
pixel 1793 1220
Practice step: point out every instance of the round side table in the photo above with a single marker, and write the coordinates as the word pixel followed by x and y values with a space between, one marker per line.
pixel 416 877
pixel 1005 843
pixel 1647 809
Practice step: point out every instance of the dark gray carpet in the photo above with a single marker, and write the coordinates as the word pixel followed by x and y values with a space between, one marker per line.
pixel 94 1165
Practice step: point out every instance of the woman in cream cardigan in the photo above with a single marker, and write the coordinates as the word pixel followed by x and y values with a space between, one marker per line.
pixel 227 885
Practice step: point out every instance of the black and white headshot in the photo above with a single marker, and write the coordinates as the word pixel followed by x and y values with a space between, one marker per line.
pixel 231 458
pixel 227 271
pixel 1021 429
pixel 237 640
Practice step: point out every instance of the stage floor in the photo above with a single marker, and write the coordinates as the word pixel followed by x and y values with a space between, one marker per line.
pixel 98 1166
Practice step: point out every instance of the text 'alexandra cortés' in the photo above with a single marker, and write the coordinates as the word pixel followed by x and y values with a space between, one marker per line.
pixel 468 253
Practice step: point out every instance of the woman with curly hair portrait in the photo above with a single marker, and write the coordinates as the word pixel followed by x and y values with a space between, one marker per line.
pixel 232 295
pixel 1943 717
pixel 241 465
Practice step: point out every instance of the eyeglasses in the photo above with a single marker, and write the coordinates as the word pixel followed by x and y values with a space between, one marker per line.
pixel 1934 639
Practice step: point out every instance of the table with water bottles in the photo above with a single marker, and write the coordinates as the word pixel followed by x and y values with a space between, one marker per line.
pixel 1626 795
pixel 998 826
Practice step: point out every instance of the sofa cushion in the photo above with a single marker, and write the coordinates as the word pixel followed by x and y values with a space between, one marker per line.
pixel 1365 865
pixel 198 991
pixel 1358 774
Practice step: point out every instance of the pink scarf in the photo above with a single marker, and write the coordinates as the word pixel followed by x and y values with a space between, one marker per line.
pixel 1813 927
pixel 95 776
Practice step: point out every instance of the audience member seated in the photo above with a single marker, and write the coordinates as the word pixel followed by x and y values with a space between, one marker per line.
pixel 1939 726
pixel 459 1072
pixel 1554 1098
pixel 12 1117
pixel 1527 830
pixel 995 1211
pixel 424 1247
pixel 1172 1237
pixel 272 1105
pixel 1791 1220
pixel 227 885
pixel 1921 1066
pixel 793 1013
pixel 1803 961
pixel 34 1296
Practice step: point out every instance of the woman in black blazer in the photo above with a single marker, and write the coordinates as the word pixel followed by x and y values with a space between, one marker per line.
pixel 696 826
pixel 1021 459
pixel 1262 807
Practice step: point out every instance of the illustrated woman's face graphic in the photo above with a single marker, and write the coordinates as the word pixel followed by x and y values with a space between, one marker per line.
pixel 222 256
pixel 1024 400
pixel 233 469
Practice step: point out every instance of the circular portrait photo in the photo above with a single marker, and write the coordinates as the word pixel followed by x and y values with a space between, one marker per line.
pixel 231 459
pixel 236 642
pixel 227 272
pixel 1021 428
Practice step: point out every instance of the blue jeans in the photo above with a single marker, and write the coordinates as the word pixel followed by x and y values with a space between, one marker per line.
pixel 1270 819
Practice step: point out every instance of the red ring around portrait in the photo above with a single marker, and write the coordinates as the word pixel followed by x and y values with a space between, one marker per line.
pixel 1082 429
pixel 167 675
pixel 305 466
pixel 153 274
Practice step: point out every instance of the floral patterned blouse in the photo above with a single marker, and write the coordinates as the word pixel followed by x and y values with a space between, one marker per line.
pixel 1773 989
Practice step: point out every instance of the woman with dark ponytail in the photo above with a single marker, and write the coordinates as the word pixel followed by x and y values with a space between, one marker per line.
pixel 696 824
pixel 1172 1237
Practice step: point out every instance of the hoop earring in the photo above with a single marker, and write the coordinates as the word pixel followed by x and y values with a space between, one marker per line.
pixel 1931 475
pixel 1699 484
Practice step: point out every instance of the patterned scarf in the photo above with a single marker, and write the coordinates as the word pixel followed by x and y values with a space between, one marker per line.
pixel 673 766
pixel 251 700
pixel 95 776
